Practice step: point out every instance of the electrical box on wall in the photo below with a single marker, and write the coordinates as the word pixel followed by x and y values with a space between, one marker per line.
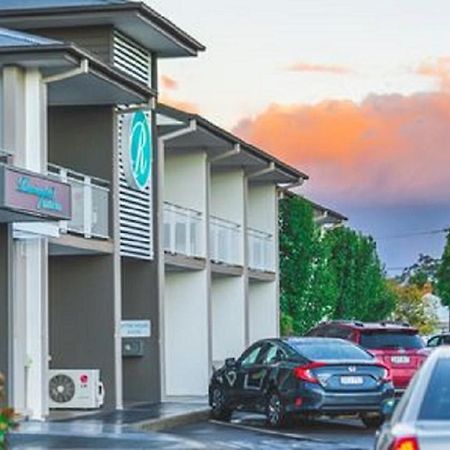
pixel 132 348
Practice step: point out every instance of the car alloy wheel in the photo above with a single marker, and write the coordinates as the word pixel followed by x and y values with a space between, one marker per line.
pixel 219 409
pixel 275 411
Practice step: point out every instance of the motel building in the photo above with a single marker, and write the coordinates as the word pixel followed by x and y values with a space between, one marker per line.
pixel 137 242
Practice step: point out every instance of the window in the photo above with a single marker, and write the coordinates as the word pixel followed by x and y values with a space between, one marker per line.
pixel 380 339
pixel 436 403
pixel 339 332
pixel 434 342
pixel 332 350
pixel 317 332
pixel 272 355
pixel 250 356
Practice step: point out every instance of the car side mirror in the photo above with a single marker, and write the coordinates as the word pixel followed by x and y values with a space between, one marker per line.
pixel 388 408
pixel 230 363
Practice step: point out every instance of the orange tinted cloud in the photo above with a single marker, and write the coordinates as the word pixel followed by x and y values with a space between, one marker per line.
pixel 439 69
pixel 320 68
pixel 168 83
pixel 388 148
pixel 184 106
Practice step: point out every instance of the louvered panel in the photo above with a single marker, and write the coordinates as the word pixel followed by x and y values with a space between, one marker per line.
pixel 132 59
pixel 135 215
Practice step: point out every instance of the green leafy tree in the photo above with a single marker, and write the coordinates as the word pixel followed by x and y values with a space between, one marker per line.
pixel 307 288
pixel 423 272
pixel 412 306
pixel 443 275
pixel 361 288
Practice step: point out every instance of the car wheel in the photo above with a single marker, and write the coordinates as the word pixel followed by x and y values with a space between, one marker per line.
pixel 275 411
pixel 219 408
pixel 372 421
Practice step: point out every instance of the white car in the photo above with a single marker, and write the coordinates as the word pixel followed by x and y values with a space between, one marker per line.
pixel 421 419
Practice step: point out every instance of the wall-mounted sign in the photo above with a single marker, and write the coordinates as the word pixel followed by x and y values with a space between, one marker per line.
pixel 137 154
pixel 35 194
pixel 136 328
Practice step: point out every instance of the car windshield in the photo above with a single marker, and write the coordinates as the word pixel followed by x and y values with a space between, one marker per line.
pixel 330 351
pixel 436 402
pixel 379 340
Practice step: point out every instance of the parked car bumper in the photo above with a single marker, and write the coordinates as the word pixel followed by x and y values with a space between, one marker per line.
pixel 314 399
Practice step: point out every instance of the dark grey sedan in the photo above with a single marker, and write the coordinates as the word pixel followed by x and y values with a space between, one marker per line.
pixel 421 420
pixel 302 376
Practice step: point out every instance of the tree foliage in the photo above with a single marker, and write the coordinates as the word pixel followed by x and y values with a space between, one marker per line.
pixel 306 287
pixel 361 289
pixel 338 275
pixel 421 273
pixel 443 275
pixel 412 306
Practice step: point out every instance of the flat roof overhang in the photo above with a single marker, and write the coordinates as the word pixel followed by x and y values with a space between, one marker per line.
pixel 135 19
pixel 259 165
pixel 99 84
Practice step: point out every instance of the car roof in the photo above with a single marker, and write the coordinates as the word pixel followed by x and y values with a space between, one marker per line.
pixel 373 326
pixel 314 340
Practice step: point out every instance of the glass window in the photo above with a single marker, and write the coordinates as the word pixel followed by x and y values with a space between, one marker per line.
pixel 436 403
pixel 434 342
pixel 445 340
pixel 331 350
pixel 378 340
pixel 251 355
pixel 319 332
pixel 272 354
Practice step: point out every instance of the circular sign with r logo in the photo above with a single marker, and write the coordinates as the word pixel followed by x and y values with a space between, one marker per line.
pixel 137 150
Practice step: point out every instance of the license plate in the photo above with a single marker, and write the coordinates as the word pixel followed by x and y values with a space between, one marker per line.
pixel 352 380
pixel 400 359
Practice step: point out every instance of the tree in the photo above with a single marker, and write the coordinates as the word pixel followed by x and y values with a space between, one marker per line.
pixel 412 306
pixel 443 275
pixel 422 272
pixel 361 289
pixel 306 287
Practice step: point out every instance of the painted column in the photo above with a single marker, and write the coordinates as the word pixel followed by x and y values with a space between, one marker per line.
pixel 25 135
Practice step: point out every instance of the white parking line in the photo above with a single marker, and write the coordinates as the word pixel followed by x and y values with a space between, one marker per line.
pixel 298 437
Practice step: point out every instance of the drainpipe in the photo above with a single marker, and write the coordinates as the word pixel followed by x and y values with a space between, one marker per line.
pixel 192 127
pixel 81 70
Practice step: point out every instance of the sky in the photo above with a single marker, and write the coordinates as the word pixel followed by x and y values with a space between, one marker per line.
pixel 354 92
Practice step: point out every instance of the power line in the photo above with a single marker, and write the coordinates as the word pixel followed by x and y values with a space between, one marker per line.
pixel 413 234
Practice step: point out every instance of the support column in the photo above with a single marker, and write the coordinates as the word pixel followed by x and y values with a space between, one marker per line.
pixel 25 135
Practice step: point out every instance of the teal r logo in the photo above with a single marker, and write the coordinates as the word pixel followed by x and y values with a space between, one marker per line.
pixel 137 150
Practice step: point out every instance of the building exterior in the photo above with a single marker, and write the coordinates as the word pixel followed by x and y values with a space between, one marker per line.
pixel 152 249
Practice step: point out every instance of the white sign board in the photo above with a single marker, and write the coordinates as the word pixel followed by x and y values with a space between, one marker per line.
pixel 136 328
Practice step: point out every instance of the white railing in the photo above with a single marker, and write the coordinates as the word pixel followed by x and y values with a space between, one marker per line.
pixel 225 241
pixel 182 230
pixel 90 203
pixel 260 250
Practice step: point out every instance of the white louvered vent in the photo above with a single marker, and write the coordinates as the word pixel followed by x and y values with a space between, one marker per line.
pixel 132 59
pixel 136 213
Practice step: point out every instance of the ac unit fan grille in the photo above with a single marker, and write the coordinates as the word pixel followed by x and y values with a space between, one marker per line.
pixel 61 388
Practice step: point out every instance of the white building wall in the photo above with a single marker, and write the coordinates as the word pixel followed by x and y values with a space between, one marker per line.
pixel 263 310
pixel 185 179
pixel 186 333
pixel 228 317
pixel 262 209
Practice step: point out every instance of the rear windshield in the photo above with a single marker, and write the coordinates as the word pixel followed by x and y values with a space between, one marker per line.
pixel 436 403
pixel 331 351
pixel 378 340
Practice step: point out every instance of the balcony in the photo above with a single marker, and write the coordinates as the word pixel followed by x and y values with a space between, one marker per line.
pixel 183 231
pixel 260 251
pixel 225 242
pixel 90 203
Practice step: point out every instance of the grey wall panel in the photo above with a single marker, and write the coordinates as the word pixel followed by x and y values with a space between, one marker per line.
pixel 141 376
pixel 97 40
pixel 4 327
pixel 81 139
pixel 81 303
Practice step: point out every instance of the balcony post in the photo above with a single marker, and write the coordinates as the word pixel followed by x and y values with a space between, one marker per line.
pixel 87 193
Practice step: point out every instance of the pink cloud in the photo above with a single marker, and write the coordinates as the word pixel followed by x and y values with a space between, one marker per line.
pixel 319 68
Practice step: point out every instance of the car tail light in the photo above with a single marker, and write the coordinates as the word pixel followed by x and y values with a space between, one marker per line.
pixel 304 372
pixel 405 443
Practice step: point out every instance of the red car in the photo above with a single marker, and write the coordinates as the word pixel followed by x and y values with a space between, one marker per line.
pixel 398 346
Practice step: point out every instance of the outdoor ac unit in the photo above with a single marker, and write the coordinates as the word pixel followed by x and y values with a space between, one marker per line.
pixel 75 389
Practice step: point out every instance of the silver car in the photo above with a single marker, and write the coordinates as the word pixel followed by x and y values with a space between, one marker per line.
pixel 421 419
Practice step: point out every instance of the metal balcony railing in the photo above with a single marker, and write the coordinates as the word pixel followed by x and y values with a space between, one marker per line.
pixel 260 250
pixel 225 241
pixel 90 203
pixel 182 230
